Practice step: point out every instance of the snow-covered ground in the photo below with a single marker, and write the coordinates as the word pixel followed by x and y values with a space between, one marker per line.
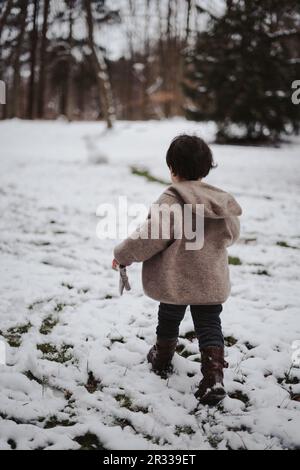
pixel 76 374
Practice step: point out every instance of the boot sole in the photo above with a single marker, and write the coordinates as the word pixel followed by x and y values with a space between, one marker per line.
pixel 163 374
pixel 213 400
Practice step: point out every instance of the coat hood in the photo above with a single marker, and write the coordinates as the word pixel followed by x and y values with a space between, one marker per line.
pixel 218 204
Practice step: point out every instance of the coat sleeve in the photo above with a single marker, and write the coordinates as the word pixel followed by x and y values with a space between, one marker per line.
pixel 141 245
pixel 233 229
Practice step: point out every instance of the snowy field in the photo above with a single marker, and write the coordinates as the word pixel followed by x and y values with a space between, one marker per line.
pixel 76 373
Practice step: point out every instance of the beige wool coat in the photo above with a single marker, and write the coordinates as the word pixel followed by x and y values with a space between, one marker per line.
pixel 171 273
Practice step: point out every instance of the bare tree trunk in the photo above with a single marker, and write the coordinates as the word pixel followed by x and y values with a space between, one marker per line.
pixel 42 78
pixel 101 70
pixel 33 48
pixel 188 20
pixel 69 73
pixel 81 99
pixel 145 104
pixel 168 58
pixel 129 114
pixel 176 25
pixel 176 60
pixel 161 53
pixel 62 103
pixel 15 96
pixel 169 17
pixel 6 11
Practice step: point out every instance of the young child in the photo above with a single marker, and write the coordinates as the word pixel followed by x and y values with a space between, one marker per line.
pixel 178 277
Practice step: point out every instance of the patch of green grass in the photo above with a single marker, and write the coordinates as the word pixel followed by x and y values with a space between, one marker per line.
pixel 52 353
pixel 144 173
pixel 292 380
pixel 154 440
pixel 83 291
pixel 11 418
pixel 139 409
pixel 263 272
pixel 59 307
pixel 190 335
pixel 239 429
pixel 184 430
pixel 214 441
pixel 117 340
pixel 289 378
pixel 234 261
pixel 248 241
pixel 13 341
pixel 32 377
pixel 47 348
pixel 37 303
pixel 40 243
pixel 122 422
pixel 48 324
pixel 14 335
pixel 89 441
pixel 230 341
pixel 22 329
pixel 239 380
pixel 124 401
pixel 182 351
pixel 53 422
pixel 186 354
pixel 238 395
pixel 67 286
pixel 197 359
pixel 284 244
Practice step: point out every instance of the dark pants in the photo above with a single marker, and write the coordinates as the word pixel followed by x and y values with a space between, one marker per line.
pixel 206 320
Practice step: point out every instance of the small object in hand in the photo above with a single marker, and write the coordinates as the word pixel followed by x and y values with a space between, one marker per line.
pixel 115 265
pixel 124 282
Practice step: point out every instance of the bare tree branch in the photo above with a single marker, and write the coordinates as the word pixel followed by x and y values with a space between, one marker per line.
pixel 5 15
pixel 101 71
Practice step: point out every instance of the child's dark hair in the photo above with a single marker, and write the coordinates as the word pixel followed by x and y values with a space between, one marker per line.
pixel 189 157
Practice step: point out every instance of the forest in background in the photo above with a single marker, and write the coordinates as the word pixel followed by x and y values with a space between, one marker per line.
pixel 53 53
pixel 230 61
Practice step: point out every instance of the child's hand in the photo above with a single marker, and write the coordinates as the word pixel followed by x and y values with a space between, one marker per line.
pixel 115 265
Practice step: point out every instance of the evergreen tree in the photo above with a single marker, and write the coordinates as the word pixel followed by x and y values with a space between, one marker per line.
pixel 242 68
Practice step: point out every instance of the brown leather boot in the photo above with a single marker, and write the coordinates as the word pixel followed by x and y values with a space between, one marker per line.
pixel 160 356
pixel 211 389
